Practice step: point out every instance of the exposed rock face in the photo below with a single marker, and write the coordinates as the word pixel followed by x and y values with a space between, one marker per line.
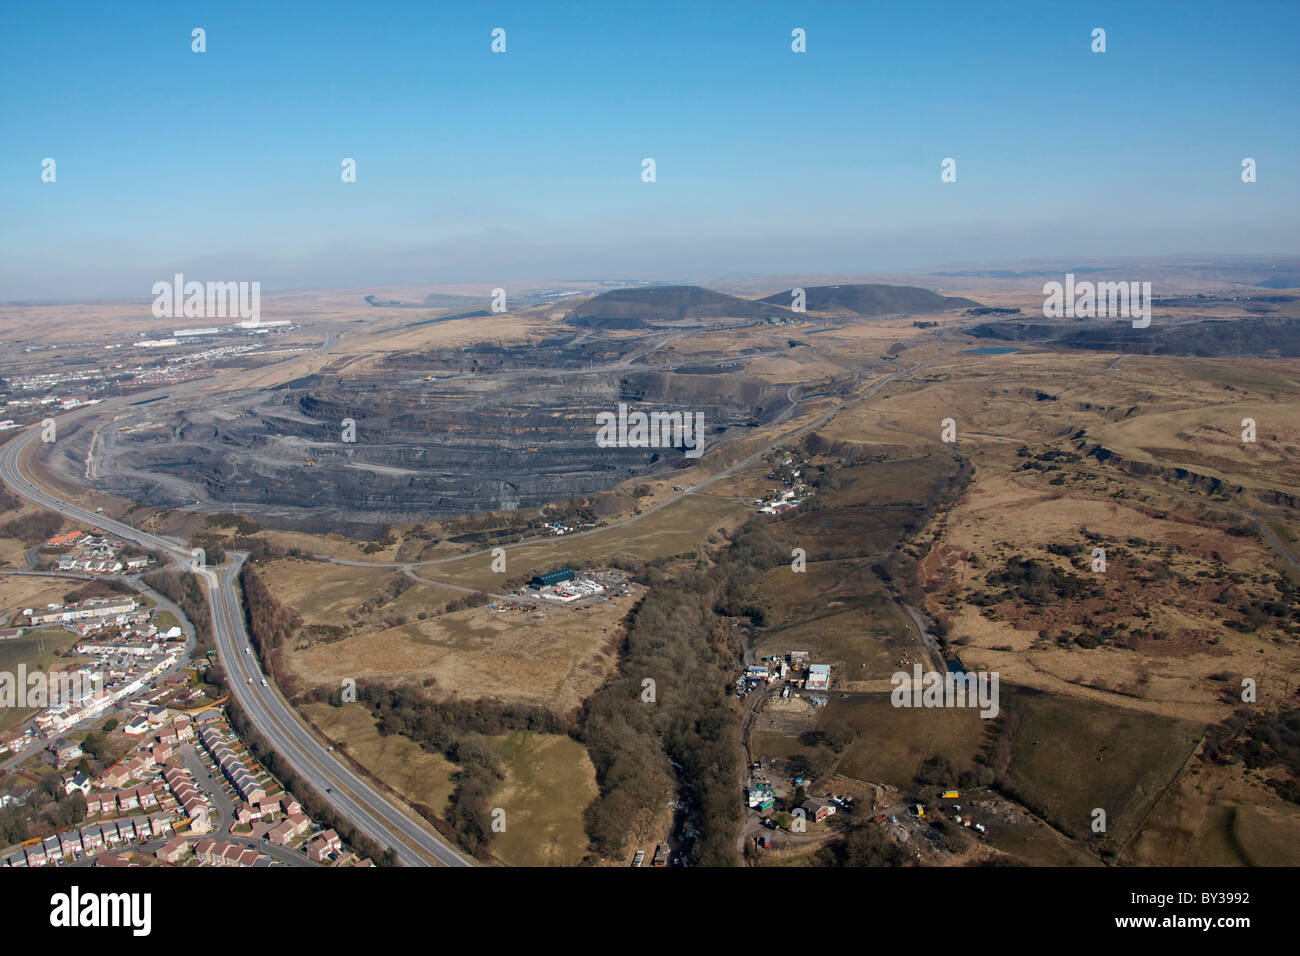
pixel 1246 336
pixel 436 434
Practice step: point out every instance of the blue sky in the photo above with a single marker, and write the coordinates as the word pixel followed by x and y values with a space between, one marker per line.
pixel 474 166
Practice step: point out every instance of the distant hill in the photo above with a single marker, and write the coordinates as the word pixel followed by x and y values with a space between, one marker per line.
pixel 643 307
pixel 872 300
pixel 1215 337
pixel 434 300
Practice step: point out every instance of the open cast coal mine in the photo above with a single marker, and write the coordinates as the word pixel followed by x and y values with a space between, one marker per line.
pixel 431 434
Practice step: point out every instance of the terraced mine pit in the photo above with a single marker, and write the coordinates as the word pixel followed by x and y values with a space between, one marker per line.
pixel 492 413
pixel 437 433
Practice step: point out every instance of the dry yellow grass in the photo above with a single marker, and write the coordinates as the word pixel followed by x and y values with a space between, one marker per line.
pixel 1219 816
pixel 325 593
pixel 1208 440
pixel 554 658
pixel 1189 411
pixel 1011 515
pixel 19 591
pixel 419 776
pixel 679 528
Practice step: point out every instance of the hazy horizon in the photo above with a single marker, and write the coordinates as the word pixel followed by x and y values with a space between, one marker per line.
pixel 474 166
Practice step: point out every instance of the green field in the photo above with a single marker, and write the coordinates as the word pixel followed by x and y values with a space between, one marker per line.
pixel 1068 757
pixel 870 507
pixel 842 615
pixel 1071 756
pixel 893 742
pixel 549 783
pixel 767 745
pixel 24 650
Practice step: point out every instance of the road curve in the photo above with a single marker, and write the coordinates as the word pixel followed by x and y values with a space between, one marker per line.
pixel 371 812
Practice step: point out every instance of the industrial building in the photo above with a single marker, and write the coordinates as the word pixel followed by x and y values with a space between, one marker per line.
pixel 819 677
pixel 550 578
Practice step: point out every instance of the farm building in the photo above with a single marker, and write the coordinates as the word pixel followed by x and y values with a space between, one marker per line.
pixel 818 809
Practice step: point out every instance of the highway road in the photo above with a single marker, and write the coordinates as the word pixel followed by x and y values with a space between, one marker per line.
pixel 370 811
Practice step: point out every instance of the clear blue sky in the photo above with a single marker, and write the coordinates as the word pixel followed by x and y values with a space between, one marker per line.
pixel 479 166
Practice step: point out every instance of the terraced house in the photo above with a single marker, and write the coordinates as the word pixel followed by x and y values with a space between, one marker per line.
pixel 236 771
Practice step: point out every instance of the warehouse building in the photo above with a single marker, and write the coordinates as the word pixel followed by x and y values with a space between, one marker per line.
pixel 551 578
pixel 819 677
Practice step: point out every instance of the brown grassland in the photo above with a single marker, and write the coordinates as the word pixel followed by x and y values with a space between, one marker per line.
pixel 1114 676
pixel 549 782
pixel 552 656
